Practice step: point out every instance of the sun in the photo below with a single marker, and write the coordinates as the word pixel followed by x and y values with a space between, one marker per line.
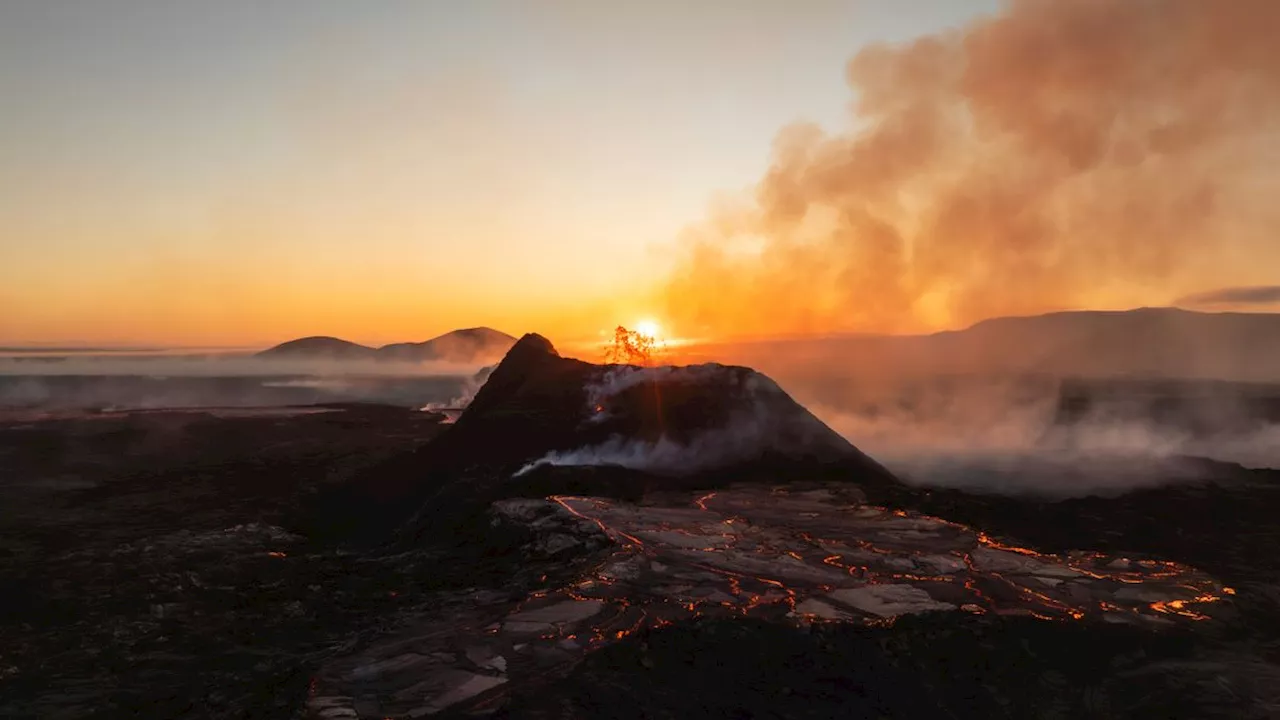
pixel 648 329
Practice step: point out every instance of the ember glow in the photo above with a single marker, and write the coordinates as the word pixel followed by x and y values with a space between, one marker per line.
pixel 793 556
pixel 632 347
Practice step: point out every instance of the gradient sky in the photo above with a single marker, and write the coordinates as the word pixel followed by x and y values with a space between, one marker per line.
pixel 238 173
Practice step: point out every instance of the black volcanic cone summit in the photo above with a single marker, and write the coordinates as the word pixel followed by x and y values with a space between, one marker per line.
pixel 678 420
pixel 544 424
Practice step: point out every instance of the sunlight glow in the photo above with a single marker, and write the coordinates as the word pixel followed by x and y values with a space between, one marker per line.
pixel 648 328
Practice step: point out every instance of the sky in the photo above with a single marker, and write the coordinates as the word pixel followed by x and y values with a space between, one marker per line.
pixel 239 173
pixel 179 172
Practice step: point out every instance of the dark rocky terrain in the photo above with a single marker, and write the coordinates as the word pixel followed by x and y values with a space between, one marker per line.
pixel 167 564
pixel 43 394
pixel 369 561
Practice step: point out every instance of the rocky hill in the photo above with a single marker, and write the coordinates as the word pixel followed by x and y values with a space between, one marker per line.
pixel 319 347
pixel 468 345
pixel 1146 342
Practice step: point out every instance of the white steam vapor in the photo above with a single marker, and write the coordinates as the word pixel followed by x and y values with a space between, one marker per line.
pixel 1007 437
pixel 224 366
pixel 751 430
pixel 169 382
pixel 619 378
pixel 745 435
pixel 470 387
pixel 1002 434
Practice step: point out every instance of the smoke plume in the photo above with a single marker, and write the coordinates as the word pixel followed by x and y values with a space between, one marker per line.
pixel 1234 296
pixel 1062 153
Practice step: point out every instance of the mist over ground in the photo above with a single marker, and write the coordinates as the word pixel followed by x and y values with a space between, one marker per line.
pixel 1049 435
pixel 224 366
pixel 1060 404
pixel 158 382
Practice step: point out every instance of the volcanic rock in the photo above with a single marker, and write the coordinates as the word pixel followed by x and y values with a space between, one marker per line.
pixel 546 407
pixel 544 424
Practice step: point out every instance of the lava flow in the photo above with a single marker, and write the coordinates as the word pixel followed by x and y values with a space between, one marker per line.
pixel 794 556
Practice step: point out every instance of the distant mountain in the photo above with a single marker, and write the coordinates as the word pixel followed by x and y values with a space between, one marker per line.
pixel 468 345
pixel 480 344
pixel 1146 342
pixel 319 347
pixel 1149 342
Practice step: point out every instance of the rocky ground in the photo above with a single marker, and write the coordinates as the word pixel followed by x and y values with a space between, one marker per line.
pixel 171 564
pixel 801 557
pixel 366 561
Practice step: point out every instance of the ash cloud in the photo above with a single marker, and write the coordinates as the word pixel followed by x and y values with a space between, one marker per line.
pixel 1057 154
pixel 1256 295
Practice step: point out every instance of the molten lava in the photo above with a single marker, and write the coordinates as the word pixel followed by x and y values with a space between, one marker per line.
pixel 632 347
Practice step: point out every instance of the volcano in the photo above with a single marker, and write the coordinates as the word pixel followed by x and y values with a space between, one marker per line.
pixel 706 416
pixel 625 507
pixel 544 424
pixel 604 540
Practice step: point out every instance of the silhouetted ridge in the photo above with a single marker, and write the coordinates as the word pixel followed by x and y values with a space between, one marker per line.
pixel 524 362
pixel 477 344
pixel 531 347
pixel 321 347
pixel 465 345
pixel 1166 343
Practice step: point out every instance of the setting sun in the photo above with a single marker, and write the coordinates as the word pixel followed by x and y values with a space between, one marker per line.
pixel 648 328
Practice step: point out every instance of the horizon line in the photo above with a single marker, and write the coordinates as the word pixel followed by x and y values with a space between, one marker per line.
pixel 19 347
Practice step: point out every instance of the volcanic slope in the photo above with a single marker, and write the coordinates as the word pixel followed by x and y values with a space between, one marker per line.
pixel 636 520
pixel 635 429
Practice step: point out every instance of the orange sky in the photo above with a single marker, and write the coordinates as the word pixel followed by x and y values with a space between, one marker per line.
pixel 235 175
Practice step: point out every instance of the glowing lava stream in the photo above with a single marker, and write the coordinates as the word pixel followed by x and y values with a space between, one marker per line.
pixel 561 500
pixel 887 545
pixel 799 556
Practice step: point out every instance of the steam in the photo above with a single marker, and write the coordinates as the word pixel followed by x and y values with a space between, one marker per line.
pixel 222 366
pixel 1013 436
pixel 618 378
pixel 1059 154
pixel 742 438
pixel 749 431
pixel 78 383
pixel 470 386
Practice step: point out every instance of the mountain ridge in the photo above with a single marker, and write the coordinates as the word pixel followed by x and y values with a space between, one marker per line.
pixel 1161 342
pixel 461 345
